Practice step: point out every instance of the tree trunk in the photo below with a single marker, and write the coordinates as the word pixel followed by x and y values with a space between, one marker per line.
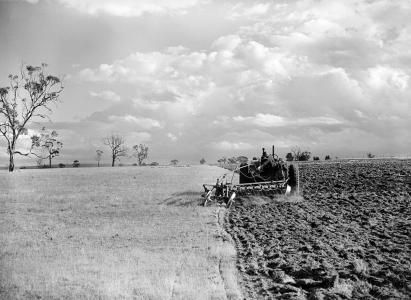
pixel 98 164
pixel 113 160
pixel 11 161
pixel 49 161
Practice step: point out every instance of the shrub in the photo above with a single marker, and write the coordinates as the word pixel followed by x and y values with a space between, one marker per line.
pixel 300 155
pixel 316 158
pixel 305 156
pixel 289 156
pixel 202 161
pixel 327 157
pixel 370 155
pixel 76 164
pixel 62 165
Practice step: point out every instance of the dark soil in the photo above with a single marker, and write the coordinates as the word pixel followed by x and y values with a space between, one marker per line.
pixel 348 236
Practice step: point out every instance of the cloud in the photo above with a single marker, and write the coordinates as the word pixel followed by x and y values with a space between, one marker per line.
pixel 146 104
pixel 380 77
pixel 128 8
pixel 269 120
pixel 248 10
pixel 145 123
pixel 172 137
pixel 106 95
pixel 135 138
pixel 229 146
pixel 294 73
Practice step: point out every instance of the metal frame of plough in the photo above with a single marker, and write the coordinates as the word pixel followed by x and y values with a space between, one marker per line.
pixel 227 192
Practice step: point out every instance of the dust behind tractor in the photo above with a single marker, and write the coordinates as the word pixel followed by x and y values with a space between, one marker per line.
pixel 268 176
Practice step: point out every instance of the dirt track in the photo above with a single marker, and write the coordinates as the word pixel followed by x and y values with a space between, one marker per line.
pixel 348 236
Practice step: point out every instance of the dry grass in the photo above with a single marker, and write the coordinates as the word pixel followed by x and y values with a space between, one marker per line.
pixel 112 233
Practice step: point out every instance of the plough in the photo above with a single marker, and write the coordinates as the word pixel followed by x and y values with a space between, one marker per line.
pixel 268 176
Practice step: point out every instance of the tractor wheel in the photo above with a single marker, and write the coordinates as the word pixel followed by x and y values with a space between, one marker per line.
pixel 292 179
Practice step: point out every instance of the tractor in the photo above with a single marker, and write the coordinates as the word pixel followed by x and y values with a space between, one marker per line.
pixel 267 176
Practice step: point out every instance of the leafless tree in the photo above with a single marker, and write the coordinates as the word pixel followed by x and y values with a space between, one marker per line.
pixel 28 97
pixel 140 152
pixel 99 153
pixel 116 145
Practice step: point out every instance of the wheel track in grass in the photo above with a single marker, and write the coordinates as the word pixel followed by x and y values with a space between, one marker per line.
pixel 227 258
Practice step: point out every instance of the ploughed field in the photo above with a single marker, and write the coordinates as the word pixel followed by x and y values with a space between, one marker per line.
pixel 348 235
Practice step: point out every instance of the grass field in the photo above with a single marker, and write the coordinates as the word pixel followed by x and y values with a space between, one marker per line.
pixel 113 233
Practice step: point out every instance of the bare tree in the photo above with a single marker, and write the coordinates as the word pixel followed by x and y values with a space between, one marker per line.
pixel 140 152
pixel 116 145
pixel 48 145
pixel 28 97
pixel 99 153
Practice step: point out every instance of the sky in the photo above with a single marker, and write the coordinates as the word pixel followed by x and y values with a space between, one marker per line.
pixel 214 78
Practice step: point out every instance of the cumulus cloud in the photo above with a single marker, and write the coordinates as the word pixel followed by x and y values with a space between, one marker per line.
pixel 380 77
pixel 128 8
pixel 269 120
pixel 141 122
pixel 134 138
pixel 248 10
pixel 229 146
pixel 106 95
pixel 146 104
pixel 296 72
pixel 172 137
